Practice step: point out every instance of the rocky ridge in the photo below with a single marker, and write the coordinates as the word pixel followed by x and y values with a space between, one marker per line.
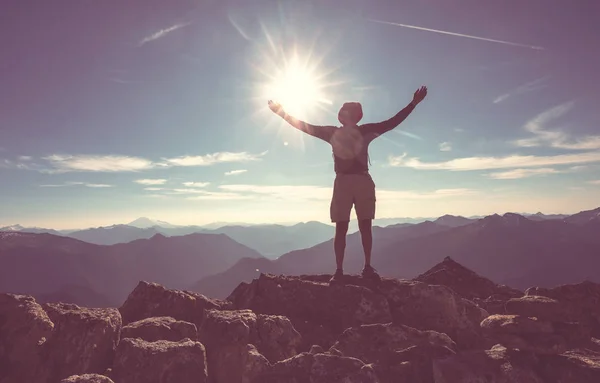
pixel 447 325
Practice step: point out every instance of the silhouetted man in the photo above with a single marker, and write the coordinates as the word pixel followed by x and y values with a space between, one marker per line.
pixel 353 184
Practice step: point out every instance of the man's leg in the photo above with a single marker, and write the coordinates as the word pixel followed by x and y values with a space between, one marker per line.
pixel 339 243
pixel 366 235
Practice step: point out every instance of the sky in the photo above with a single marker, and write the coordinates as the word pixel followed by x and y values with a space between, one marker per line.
pixel 112 110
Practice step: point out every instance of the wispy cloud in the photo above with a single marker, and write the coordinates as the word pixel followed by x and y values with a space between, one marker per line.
pixel 408 134
pixel 555 138
pixel 161 33
pixel 522 173
pixel 459 35
pixel 25 158
pixel 215 158
pixel 235 172
pixel 530 86
pixel 595 182
pixel 218 196
pixel 91 163
pixel 486 163
pixel 316 193
pixel 151 181
pixel 153 189
pixel 445 147
pixel 196 184
pixel 76 183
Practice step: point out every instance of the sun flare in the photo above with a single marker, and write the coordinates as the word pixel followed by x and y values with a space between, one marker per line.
pixel 297 88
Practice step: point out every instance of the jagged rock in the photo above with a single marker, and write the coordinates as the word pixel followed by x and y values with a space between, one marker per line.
pixel 256 365
pixel 465 282
pixel 316 349
pixel 396 350
pixel 319 368
pixel 435 307
pixel 532 334
pixel 318 311
pixel 160 328
pixel 24 328
pixel 502 365
pixel 581 299
pixel 83 341
pixel 492 304
pixel 149 300
pixel 489 366
pixel 226 335
pixel 87 378
pixel 139 361
pixel 540 307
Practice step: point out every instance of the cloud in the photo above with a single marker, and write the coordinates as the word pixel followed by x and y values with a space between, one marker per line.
pixel 445 147
pixel 162 33
pixel 235 172
pixel 218 196
pixel 595 182
pixel 215 158
pixel 25 158
pixel 148 181
pixel 92 163
pixel 196 184
pixel 75 183
pixel 522 173
pixel 153 189
pixel 530 86
pixel 555 138
pixel 486 163
pixel 321 193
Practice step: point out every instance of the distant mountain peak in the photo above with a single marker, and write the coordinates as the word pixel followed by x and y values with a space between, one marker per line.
pixel 145 223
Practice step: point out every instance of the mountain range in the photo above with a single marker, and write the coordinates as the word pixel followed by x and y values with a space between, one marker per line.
pixel 511 249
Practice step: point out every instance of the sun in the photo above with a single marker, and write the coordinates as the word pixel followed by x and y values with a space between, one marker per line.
pixel 297 87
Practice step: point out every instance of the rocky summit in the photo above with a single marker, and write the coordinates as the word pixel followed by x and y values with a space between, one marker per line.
pixel 447 325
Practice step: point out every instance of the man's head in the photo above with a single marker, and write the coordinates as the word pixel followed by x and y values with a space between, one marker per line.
pixel 350 113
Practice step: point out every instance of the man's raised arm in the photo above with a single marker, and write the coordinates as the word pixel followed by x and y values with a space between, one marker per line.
pixel 389 124
pixel 322 132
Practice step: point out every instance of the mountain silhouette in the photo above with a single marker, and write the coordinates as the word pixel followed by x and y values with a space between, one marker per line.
pixel 44 264
pixel 111 235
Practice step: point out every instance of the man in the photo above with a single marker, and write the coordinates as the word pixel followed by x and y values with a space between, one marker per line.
pixel 353 184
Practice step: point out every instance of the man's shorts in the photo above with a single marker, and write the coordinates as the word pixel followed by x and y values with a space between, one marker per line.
pixel 356 190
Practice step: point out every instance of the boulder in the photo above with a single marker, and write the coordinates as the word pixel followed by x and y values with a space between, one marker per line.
pixel 396 351
pixel 582 300
pixel 320 312
pixel 24 328
pixel 497 365
pixel 84 340
pixel 540 307
pixel 87 378
pixel 160 328
pixel 139 361
pixel 435 307
pixel 227 334
pixel 465 281
pixel 319 368
pixel 535 335
pixel 149 300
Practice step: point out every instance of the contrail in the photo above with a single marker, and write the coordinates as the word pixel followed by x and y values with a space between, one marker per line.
pixel 460 35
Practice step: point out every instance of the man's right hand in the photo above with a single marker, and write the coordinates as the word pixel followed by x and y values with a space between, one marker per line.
pixel 276 108
pixel 419 95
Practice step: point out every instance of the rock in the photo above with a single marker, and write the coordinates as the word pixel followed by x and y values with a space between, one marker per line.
pixel 501 365
pixel 160 328
pixel 539 307
pixel 319 368
pixel 226 335
pixel 139 361
pixel 581 299
pixel 465 282
pixel 87 378
pixel 318 311
pixel 535 335
pixel 83 342
pixel 492 304
pixel 486 366
pixel 24 329
pixel 316 349
pixel 149 300
pixel 396 350
pixel 435 307
pixel 255 366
